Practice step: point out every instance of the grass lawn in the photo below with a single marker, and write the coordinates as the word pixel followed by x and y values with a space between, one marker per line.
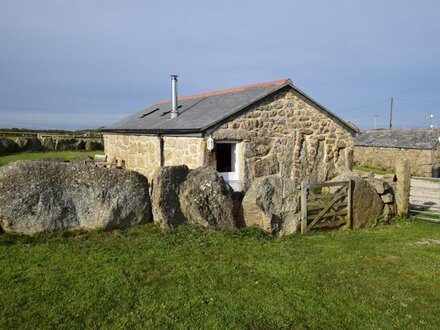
pixel 375 170
pixel 67 155
pixel 193 278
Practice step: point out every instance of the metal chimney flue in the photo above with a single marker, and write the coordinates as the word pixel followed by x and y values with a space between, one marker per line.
pixel 174 111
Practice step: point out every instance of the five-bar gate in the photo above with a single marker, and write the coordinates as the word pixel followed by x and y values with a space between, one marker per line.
pixel 326 205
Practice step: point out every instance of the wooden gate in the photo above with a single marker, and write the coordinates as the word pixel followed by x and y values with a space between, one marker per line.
pixel 323 209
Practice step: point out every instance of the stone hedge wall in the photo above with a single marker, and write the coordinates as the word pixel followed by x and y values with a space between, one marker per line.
pixel 421 161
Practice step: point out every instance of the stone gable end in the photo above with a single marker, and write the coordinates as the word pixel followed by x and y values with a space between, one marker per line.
pixel 287 135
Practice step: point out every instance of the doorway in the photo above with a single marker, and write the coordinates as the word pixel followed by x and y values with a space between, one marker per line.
pixel 227 162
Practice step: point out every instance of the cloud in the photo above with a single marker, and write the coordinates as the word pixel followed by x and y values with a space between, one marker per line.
pixel 114 57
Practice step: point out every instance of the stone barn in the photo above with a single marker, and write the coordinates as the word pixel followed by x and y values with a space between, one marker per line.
pixel 244 132
pixel 382 149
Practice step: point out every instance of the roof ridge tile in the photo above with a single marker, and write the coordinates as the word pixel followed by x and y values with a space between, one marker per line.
pixel 229 90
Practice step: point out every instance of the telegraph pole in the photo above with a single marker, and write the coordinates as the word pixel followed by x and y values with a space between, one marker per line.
pixel 375 121
pixel 391 114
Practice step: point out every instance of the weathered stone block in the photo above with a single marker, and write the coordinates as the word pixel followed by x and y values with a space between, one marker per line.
pixel 50 196
pixel 7 146
pixel 272 204
pixel 206 199
pixel 266 166
pixel 165 202
pixel 387 198
pixel 28 144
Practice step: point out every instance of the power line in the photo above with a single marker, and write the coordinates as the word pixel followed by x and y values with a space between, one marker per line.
pixel 20 108
pixel 419 100
pixel 16 123
pixel 364 106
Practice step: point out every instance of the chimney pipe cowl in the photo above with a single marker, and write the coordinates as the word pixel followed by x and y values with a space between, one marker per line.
pixel 174 111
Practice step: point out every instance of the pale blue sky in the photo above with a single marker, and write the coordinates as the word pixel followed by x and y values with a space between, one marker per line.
pixel 85 63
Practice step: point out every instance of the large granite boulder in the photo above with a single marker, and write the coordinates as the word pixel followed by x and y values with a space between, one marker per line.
pixel 206 199
pixel 7 146
pixel 165 201
pixel 41 196
pixel 272 204
pixel 28 144
pixel 367 204
pixel 69 144
pixel 48 143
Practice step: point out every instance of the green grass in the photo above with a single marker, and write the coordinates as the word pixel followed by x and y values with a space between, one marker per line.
pixel 67 155
pixel 194 278
pixel 13 138
pixel 375 170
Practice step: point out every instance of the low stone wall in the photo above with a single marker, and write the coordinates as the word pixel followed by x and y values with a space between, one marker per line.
pixel 422 161
pixel 47 144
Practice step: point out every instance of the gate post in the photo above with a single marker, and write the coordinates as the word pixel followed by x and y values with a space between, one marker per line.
pixel 403 175
pixel 349 204
pixel 303 208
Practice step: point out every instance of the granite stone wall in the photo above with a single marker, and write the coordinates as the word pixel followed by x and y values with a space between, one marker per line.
pixel 189 151
pixel 288 135
pixel 142 153
pixel 422 161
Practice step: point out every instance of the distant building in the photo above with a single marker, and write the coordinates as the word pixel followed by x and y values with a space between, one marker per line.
pixel 244 132
pixel 382 148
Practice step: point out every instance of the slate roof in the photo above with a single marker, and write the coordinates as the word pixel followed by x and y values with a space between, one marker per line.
pixel 200 112
pixel 408 139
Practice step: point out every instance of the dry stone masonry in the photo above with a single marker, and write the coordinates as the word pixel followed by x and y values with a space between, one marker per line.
pixel 383 149
pixel 287 135
pixel 422 161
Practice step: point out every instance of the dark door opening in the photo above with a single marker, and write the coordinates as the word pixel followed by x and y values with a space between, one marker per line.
pixel 224 157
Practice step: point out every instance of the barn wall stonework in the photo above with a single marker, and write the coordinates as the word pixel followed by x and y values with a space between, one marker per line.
pixel 288 136
pixel 422 161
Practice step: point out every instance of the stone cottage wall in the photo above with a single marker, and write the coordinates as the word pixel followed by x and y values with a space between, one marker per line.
pixel 421 161
pixel 141 153
pixel 287 135
pixel 184 150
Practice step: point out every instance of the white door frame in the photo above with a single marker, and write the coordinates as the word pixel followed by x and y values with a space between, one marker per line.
pixel 232 177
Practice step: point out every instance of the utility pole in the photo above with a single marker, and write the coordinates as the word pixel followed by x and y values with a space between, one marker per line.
pixel 375 121
pixel 391 114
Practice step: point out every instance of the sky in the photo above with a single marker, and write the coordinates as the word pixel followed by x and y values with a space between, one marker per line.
pixel 87 63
